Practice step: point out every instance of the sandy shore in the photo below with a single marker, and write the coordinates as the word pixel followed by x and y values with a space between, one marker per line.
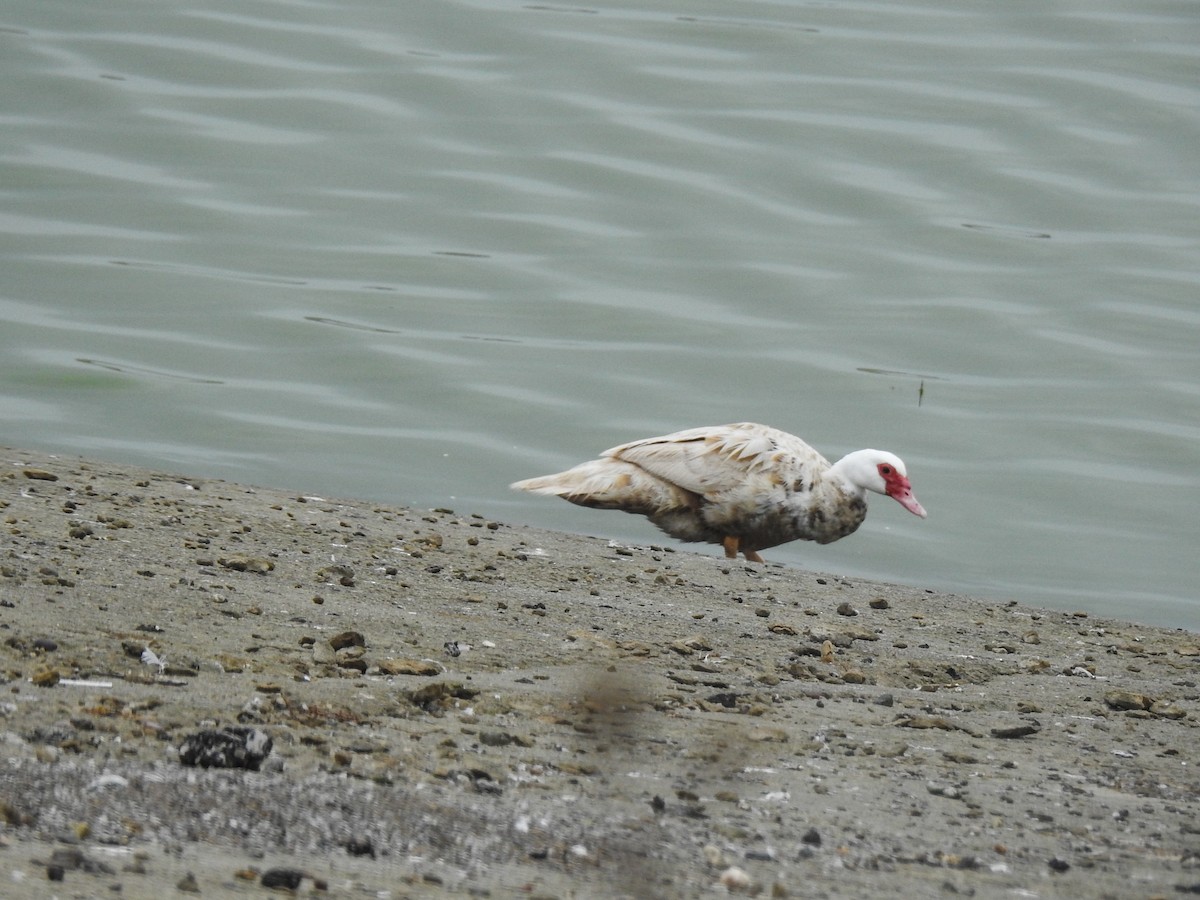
pixel 462 707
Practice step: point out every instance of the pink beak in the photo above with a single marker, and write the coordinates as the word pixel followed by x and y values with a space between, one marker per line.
pixel 901 491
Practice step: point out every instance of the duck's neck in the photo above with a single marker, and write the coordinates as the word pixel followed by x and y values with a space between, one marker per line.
pixel 854 471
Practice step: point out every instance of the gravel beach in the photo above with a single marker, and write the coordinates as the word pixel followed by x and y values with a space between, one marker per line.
pixel 212 689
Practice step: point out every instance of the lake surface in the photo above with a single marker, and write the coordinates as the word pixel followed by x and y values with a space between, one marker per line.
pixel 413 252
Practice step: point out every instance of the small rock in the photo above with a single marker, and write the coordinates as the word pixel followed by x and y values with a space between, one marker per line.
pixel 845 609
pixel 880 603
pixel 1124 700
pixel 440 695
pixel 920 721
pixel 235 747
pixel 39 475
pixel 812 837
pixel 1167 710
pixel 188 884
pixel 736 880
pixel 343 575
pixel 73 858
pixel 107 780
pixel 253 564
pixel 503 739
pixel 767 735
pixel 1058 865
pixel 691 644
pixel 323 654
pixel 347 639
pixel 290 879
pixel 1017 731
pixel 45 676
pixel 409 667
pixel 948 791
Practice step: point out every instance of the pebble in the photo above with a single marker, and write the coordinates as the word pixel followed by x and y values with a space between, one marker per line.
pixel 409 667
pixel 253 564
pixel 1127 700
pixel 45 676
pixel 290 879
pixel 347 639
pixel 235 747
pixel 68 859
pixel 188 884
pixel 691 644
pixel 948 791
pixel 736 880
pixel 1017 731
pixel 360 846
pixel 107 780
pixel 336 574
pixel 1167 710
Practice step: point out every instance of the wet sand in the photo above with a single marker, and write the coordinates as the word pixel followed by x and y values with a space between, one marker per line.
pixel 464 707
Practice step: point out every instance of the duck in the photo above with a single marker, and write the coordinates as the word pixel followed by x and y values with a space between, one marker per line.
pixel 745 486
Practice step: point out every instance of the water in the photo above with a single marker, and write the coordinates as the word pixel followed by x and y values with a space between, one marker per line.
pixel 413 252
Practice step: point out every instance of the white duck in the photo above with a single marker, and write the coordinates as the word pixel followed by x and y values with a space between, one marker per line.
pixel 745 486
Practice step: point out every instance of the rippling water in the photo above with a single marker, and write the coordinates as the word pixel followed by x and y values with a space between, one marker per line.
pixel 413 252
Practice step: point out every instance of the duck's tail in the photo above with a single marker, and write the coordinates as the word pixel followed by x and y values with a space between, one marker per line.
pixel 611 484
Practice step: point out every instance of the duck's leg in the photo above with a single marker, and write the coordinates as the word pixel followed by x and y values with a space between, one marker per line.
pixel 752 556
pixel 730 543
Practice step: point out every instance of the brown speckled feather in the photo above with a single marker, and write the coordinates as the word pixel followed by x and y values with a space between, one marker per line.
pixel 745 485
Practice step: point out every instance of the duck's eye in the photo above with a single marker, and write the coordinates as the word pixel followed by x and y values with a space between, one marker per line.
pixel 885 469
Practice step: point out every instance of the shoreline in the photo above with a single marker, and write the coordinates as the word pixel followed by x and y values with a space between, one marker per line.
pixel 459 707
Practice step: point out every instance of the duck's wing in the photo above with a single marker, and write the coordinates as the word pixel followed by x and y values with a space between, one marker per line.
pixel 725 459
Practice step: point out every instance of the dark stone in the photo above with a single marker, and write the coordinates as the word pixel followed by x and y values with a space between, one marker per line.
pixel 728 699
pixel 235 747
pixel 283 878
pixel 347 639
pixel 1016 731
pixel 360 847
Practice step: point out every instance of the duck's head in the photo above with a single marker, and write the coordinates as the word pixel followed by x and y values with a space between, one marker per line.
pixel 881 472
